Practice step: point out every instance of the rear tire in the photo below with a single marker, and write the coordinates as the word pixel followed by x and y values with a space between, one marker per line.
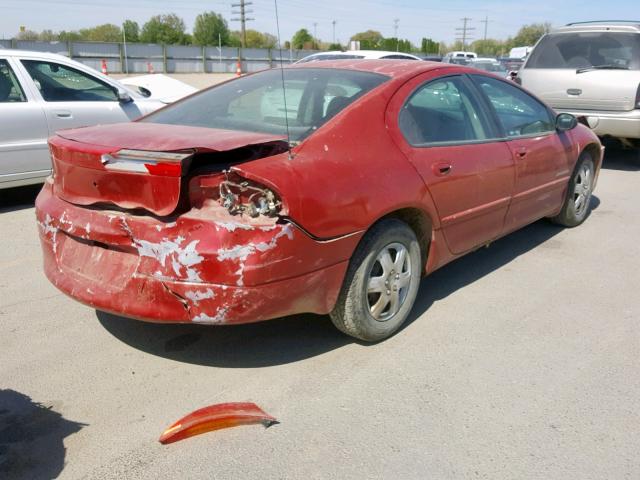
pixel 381 283
pixel 577 202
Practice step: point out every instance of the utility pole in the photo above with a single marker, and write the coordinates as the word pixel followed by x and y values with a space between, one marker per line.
pixel 463 33
pixel 334 30
pixel 243 19
pixel 395 32
pixel 315 29
pixel 486 24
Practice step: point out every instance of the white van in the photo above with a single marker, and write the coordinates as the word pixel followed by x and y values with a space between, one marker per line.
pixel 459 57
pixel 591 70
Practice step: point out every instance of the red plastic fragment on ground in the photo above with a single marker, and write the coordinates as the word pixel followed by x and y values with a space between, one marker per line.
pixel 216 417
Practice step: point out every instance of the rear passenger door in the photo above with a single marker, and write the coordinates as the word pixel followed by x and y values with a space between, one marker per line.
pixel 23 134
pixel 542 156
pixel 452 143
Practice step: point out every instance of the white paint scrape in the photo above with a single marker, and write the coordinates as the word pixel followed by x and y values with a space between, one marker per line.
pixel 181 257
pixel 217 317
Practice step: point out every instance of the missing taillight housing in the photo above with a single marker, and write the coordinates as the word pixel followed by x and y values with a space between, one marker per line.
pixel 169 164
pixel 236 194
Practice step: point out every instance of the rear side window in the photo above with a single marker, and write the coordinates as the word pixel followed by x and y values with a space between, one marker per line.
pixel 585 50
pixel 442 111
pixel 519 113
pixel 59 83
pixel 10 89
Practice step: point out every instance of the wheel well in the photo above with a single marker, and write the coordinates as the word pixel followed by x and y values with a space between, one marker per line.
pixel 421 225
pixel 593 150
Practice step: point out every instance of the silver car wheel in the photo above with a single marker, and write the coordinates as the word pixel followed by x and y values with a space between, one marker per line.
pixel 388 281
pixel 582 189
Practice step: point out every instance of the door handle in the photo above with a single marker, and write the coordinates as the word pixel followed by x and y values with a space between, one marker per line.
pixel 442 168
pixel 63 114
pixel 522 152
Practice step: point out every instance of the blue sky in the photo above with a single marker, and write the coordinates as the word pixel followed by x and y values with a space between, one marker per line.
pixel 435 19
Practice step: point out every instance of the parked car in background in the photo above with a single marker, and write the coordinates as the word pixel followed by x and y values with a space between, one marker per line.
pixel 511 64
pixel 459 57
pixel 591 69
pixel 358 55
pixel 432 58
pixel 489 65
pixel 41 93
pixel 520 52
pixel 215 211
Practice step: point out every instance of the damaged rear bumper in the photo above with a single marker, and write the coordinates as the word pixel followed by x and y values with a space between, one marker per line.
pixel 203 267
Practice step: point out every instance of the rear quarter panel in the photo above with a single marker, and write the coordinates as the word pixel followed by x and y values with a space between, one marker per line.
pixel 348 174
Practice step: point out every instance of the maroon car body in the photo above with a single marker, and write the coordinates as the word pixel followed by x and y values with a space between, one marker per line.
pixel 147 235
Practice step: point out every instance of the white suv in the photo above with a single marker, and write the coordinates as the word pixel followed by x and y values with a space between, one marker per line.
pixel 591 69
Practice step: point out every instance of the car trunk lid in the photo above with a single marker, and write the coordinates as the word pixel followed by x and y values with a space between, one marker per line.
pixel 137 165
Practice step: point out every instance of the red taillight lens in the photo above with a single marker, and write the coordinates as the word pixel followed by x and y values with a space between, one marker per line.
pixel 166 164
pixel 236 194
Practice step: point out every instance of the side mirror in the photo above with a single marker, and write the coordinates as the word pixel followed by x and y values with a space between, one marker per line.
pixel 123 96
pixel 566 121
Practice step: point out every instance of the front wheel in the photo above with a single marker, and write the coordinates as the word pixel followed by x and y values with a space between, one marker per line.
pixel 577 202
pixel 381 284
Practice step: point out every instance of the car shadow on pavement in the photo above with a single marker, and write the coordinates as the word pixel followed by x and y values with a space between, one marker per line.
pixel 295 338
pixel 616 158
pixel 18 198
pixel 473 266
pixel 31 437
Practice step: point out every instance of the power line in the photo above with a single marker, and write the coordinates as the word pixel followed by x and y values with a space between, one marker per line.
pixel 243 19
pixel 463 32
pixel 486 24
pixel 395 32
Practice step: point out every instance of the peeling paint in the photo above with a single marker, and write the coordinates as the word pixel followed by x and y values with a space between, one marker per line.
pixel 218 317
pixel 196 296
pixel 233 226
pixel 48 228
pixel 240 253
pixel 181 257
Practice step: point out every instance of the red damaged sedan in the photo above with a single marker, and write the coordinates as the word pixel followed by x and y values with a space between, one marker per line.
pixel 333 195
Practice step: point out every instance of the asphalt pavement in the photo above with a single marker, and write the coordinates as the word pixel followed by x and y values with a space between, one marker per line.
pixel 520 361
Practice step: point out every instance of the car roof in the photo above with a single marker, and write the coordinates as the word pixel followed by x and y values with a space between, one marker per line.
pixel 9 52
pixel 600 26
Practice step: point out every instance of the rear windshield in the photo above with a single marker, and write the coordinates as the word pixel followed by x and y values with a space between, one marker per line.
pixel 256 103
pixel 585 50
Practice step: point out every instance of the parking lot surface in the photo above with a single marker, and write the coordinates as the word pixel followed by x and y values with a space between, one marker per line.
pixel 519 361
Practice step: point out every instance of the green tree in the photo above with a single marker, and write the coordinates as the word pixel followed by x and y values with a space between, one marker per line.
pixel 107 32
pixel 528 35
pixel 167 29
pixel 209 28
pixel 131 31
pixel 489 47
pixel 429 46
pixel 302 39
pixel 28 35
pixel 47 36
pixel 71 36
pixel 257 39
pixel 335 46
pixel 369 40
